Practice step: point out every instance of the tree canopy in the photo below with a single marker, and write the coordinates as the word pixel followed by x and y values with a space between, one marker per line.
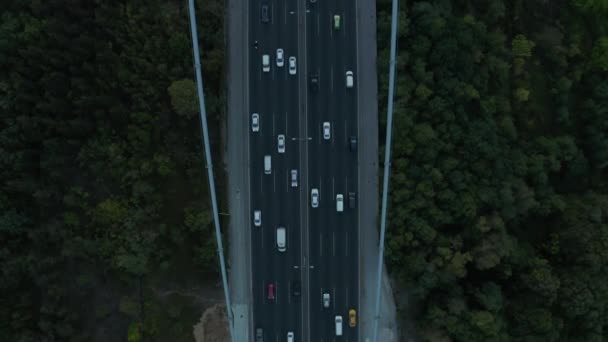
pixel 497 224
pixel 103 192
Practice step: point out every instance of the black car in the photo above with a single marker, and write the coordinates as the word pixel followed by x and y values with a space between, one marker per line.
pixel 265 13
pixel 353 143
pixel 296 289
pixel 351 200
pixel 314 82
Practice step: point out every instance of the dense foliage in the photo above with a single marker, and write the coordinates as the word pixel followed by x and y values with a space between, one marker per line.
pixel 499 190
pixel 103 195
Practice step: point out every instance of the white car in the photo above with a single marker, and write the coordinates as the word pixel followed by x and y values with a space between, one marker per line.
pixel 257 218
pixel 290 337
pixel 338 321
pixel 292 65
pixel 294 178
pixel 265 63
pixel 280 58
pixel 255 122
pixel 350 79
pixel 326 300
pixel 281 143
pixel 326 130
pixel 314 198
pixel 339 203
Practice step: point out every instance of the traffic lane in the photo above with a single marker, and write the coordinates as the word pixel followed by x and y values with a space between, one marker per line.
pixel 352 219
pixel 276 93
pixel 266 262
pixel 341 263
pixel 315 226
pixel 288 212
pixel 326 232
pixel 331 169
pixel 330 180
pixel 322 325
pixel 292 214
pixel 257 148
pixel 320 156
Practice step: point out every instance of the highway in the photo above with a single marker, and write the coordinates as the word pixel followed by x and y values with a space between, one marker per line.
pixel 322 244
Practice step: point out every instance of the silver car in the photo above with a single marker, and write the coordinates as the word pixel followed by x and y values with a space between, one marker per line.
pixel 257 218
pixel 294 178
pixel 280 58
pixel 292 65
pixel 255 122
pixel 326 130
pixel 350 79
pixel 281 143
pixel 326 300
pixel 314 198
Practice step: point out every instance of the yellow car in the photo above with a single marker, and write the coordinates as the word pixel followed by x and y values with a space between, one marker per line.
pixel 352 318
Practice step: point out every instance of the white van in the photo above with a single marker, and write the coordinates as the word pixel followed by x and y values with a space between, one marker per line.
pixel 338 325
pixel 265 63
pixel 267 164
pixel 339 203
pixel 281 239
pixel 350 79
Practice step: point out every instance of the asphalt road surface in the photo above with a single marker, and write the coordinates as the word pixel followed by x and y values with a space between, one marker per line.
pixel 332 168
pixel 321 252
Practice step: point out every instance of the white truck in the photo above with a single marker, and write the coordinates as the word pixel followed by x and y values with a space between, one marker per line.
pixel 267 164
pixel 338 325
pixel 281 239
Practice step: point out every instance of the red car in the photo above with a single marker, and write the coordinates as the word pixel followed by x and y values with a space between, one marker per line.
pixel 271 290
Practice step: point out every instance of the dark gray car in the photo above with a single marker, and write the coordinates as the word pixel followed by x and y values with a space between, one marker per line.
pixel 353 143
pixel 352 201
pixel 265 13
pixel 314 82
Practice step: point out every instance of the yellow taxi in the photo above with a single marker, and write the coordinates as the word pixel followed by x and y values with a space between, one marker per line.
pixel 352 318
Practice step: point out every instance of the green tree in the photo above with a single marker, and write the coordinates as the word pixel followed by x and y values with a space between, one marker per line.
pixel 183 97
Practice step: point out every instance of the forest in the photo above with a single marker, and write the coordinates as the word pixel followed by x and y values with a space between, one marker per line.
pixel 498 213
pixel 105 225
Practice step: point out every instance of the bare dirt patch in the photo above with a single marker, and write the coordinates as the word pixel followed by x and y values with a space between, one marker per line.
pixel 213 326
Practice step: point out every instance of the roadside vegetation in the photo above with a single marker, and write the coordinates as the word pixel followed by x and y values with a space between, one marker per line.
pixel 105 225
pixel 498 225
